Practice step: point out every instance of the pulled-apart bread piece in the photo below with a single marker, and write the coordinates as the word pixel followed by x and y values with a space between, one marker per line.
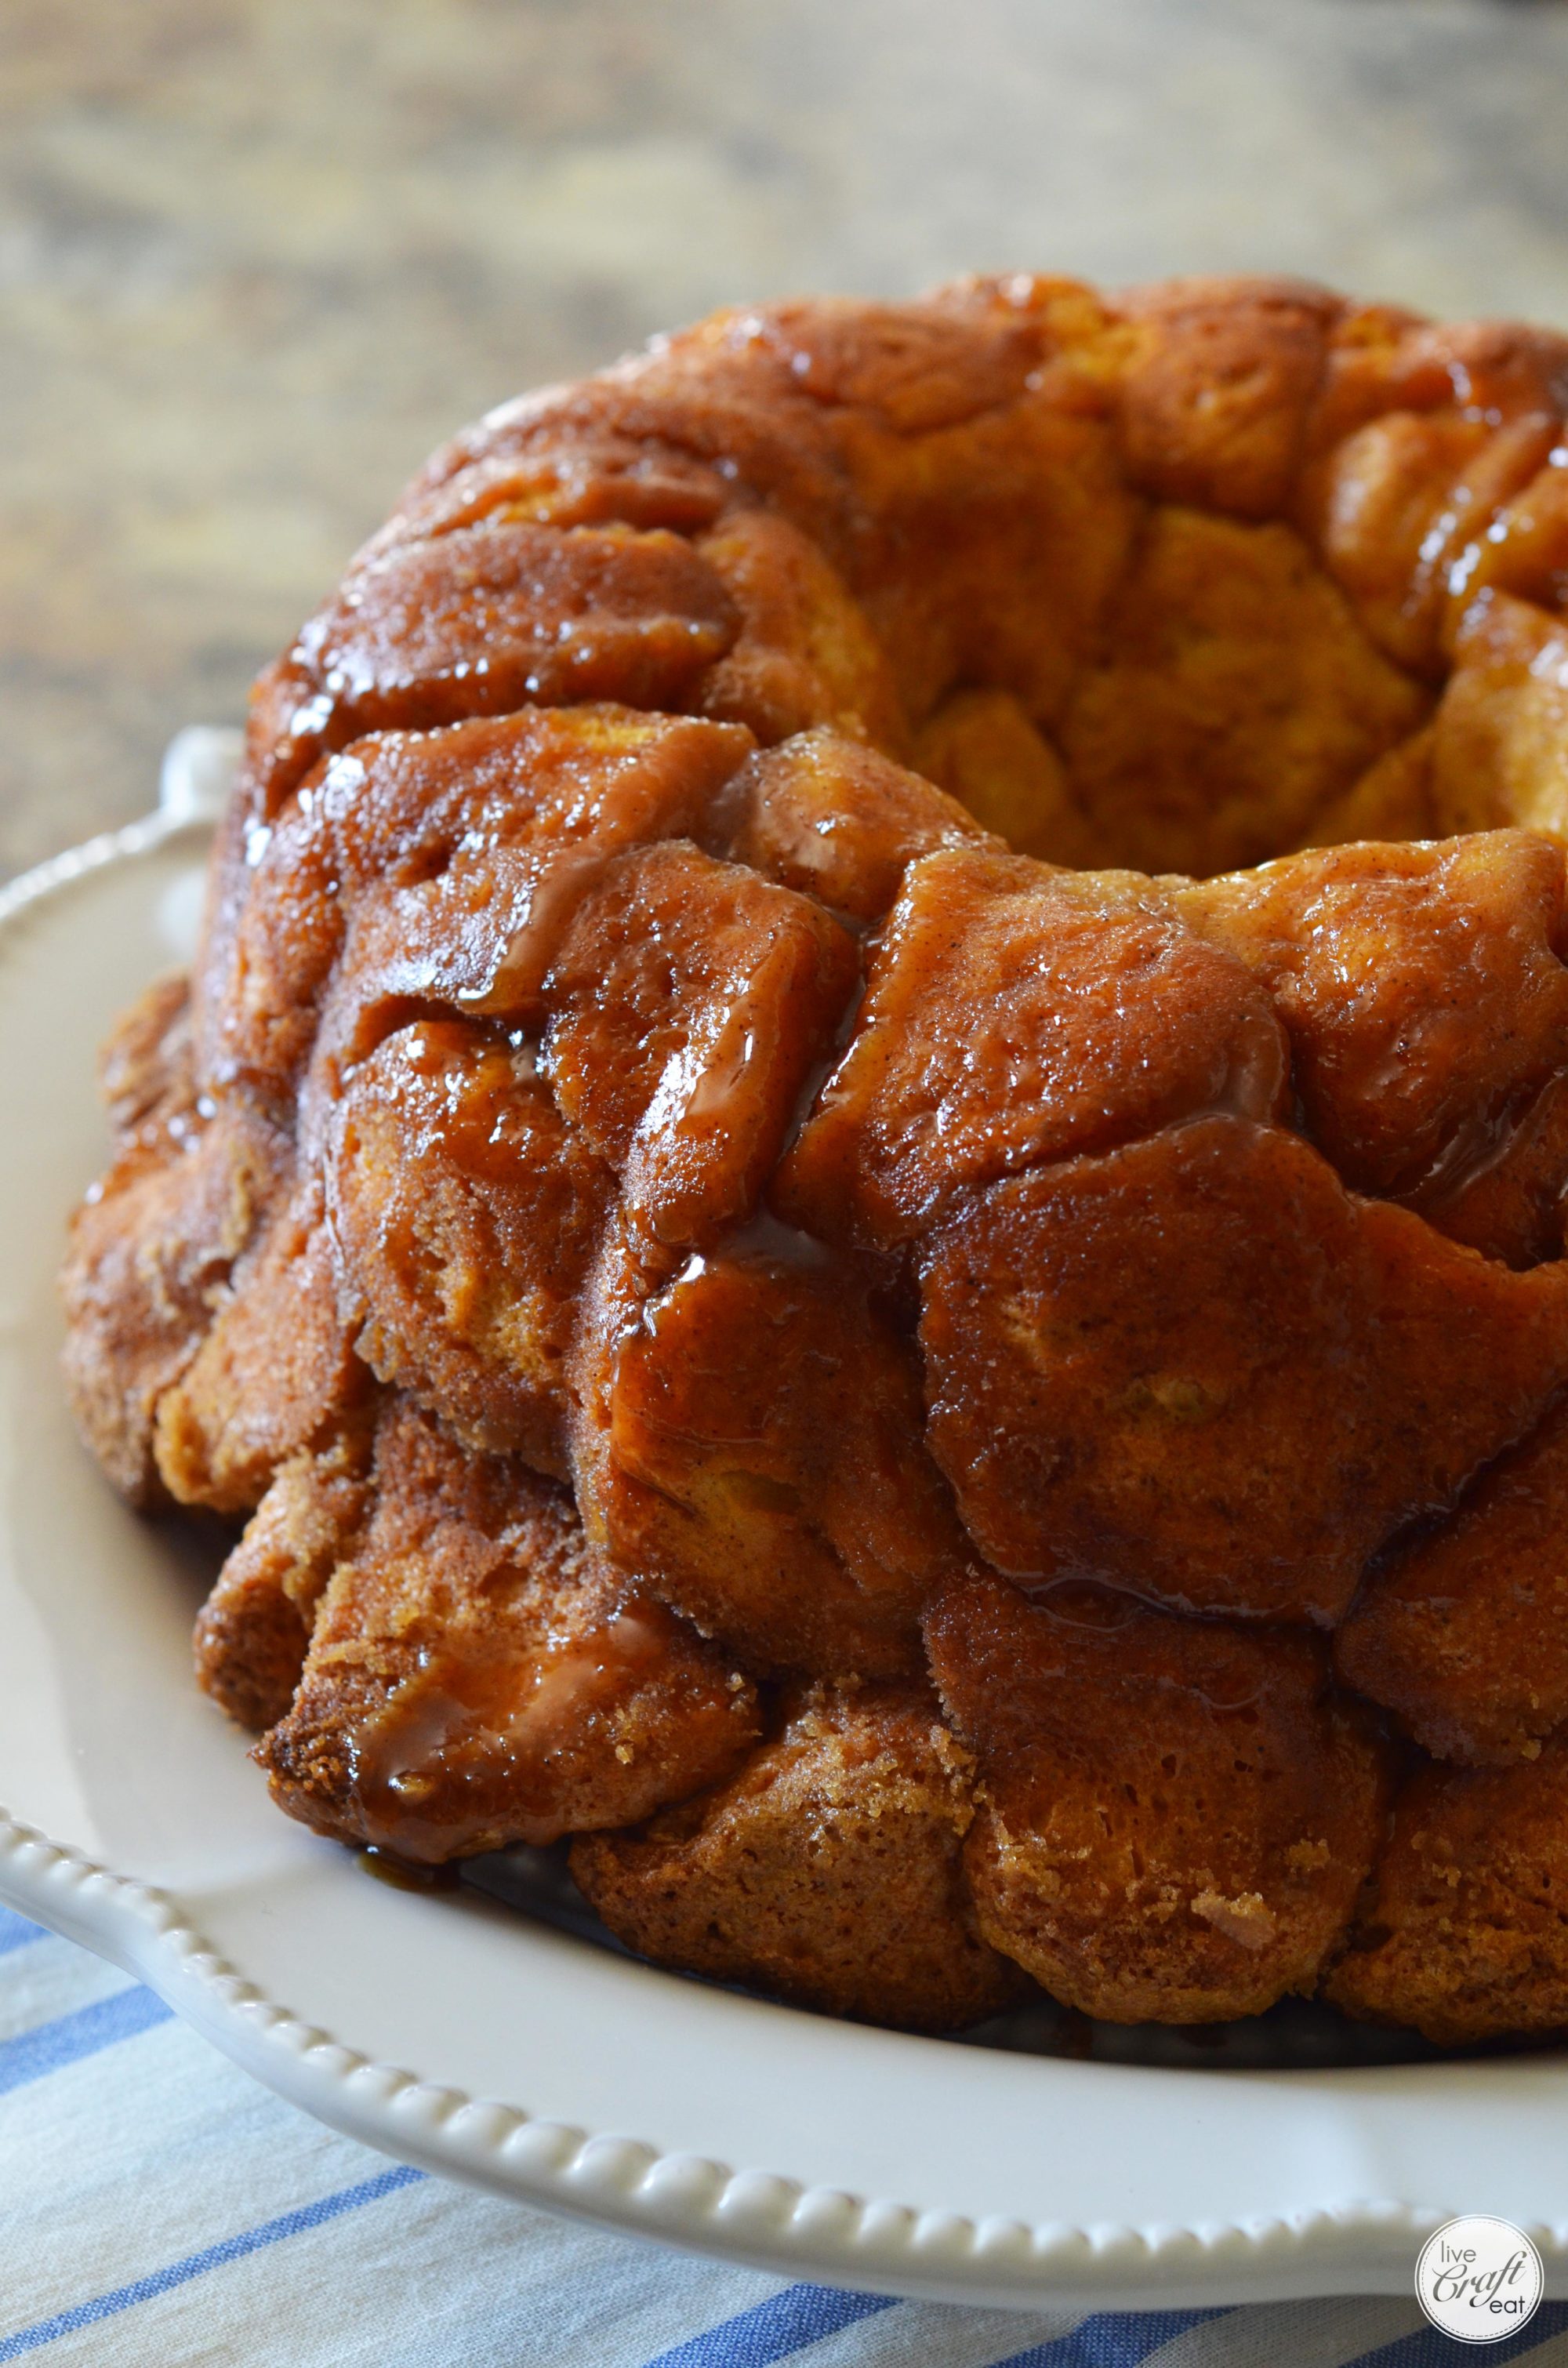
pixel 1201 1369
pixel 836 821
pixel 827 1870
pixel 478 1675
pixel 1016 1016
pixel 1463 1931
pixel 253 1631
pixel 1175 1815
pixel 155 1242
pixel 1423 992
pixel 1463 1630
pixel 750 1446
pixel 688 1004
pixel 467 1215
pixel 805 654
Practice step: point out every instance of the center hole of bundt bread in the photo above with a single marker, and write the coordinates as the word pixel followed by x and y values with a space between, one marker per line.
pixel 1228 706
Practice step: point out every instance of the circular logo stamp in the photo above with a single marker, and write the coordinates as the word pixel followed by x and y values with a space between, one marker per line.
pixel 1478 2279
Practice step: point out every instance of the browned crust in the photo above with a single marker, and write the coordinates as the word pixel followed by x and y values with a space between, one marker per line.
pixel 1177 1816
pixel 826 1871
pixel 613 1072
pixel 1462 1932
pixel 477 1675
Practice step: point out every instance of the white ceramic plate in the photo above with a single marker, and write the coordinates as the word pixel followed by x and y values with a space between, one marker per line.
pixel 489 2045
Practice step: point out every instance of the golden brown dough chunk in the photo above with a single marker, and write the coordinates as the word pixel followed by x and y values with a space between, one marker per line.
pixel 718 402
pixel 255 1626
pixel 276 1373
pixel 826 1871
pixel 1237 699
pixel 467 1215
pixel 1198 1368
pixel 688 1004
pixel 1393 799
pixel 479 619
pixel 1175 1815
pixel 478 1676
pixel 805 654
pixel 836 820
pixel 591 478
pixel 984 749
pixel 443 866
pixel 1513 1206
pixel 152 1244
pixel 1014 1016
pixel 998 545
pixel 1407 500
pixel 1218 388
pixel 1464 1632
pixel 1463 1934
pixel 1525 550
pixel 1424 990
pixel 1501 751
pixel 1384 360
pixel 910 370
pixel 754 1455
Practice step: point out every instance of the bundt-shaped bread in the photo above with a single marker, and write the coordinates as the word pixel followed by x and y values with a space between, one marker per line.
pixel 792 1266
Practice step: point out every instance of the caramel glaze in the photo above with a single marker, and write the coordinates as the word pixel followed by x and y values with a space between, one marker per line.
pixel 406 1874
pixel 478 1675
pixel 763 1216
pixel 455 1724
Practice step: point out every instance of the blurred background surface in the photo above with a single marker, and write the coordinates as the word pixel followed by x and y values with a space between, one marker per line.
pixel 257 256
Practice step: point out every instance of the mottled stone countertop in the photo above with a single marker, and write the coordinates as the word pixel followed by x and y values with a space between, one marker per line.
pixel 257 256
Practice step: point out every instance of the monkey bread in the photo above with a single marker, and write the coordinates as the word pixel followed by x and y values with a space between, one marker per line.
pixel 860 1193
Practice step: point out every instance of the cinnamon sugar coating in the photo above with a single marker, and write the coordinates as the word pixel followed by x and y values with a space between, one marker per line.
pixel 1200 1369
pixel 477 1675
pixel 253 1631
pixel 1462 1631
pixel 1462 1932
pixel 741 1106
pixel 1015 1016
pixel 157 1236
pixel 1176 1815
pixel 827 1871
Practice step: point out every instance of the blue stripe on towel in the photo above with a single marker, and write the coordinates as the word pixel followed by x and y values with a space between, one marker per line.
pixel 803 2315
pixel 214 2257
pixel 771 2330
pixel 1427 2349
pixel 15 1931
pixel 1112 2338
pixel 50 2046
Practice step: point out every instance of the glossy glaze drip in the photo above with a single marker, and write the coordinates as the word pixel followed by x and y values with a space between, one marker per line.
pixel 462 1721
pixel 551 902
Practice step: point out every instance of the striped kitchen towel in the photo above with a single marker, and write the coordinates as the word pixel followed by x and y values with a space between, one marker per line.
pixel 159 2210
